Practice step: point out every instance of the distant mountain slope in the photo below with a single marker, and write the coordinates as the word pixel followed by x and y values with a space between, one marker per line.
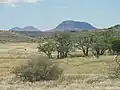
pixel 115 27
pixel 8 36
pixel 74 26
pixel 28 28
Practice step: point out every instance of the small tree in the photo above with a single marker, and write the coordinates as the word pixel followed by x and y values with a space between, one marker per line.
pixel 63 44
pixel 47 46
pixel 99 46
pixel 116 45
pixel 108 36
pixel 84 42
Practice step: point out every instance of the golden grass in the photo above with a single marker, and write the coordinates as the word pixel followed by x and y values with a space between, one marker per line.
pixel 86 65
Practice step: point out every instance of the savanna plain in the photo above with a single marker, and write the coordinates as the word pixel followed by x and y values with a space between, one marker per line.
pixel 80 73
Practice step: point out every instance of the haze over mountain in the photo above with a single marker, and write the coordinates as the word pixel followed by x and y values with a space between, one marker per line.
pixel 28 28
pixel 74 26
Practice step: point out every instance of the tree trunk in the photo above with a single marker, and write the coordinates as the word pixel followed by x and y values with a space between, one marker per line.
pixel 86 53
pixel 61 55
pixel 83 51
pixel 66 54
pixel 49 55
pixel 98 53
pixel 58 56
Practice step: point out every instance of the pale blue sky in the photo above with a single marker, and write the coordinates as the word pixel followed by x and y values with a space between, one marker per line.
pixel 47 14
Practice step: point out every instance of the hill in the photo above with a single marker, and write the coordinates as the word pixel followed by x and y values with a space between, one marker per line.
pixel 74 26
pixel 28 28
pixel 28 31
pixel 8 36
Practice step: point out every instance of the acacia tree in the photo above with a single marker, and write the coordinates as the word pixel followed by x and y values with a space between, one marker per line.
pixel 99 45
pixel 63 44
pixel 116 65
pixel 116 45
pixel 84 42
pixel 47 46
pixel 108 36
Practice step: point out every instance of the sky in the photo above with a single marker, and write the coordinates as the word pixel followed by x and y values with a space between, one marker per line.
pixel 47 14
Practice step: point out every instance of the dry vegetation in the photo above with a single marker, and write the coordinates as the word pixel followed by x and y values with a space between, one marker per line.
pixel 80 73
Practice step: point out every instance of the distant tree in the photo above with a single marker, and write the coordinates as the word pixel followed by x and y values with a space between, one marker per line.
pixel 116 45
pixel 108 35
pixel 63 44
pixel 84 42
pixel 116 66
pixel 99 45
pixel 47 46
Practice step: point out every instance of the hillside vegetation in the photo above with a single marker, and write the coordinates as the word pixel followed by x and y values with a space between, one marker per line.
pixel 7 36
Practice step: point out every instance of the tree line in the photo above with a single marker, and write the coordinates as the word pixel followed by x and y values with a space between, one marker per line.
pixel 97 42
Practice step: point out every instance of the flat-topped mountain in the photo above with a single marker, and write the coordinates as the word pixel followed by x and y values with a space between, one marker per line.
pixel 74 26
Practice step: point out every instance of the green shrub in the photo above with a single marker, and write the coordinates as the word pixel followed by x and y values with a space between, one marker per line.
pixel 39 68
pixel 116 45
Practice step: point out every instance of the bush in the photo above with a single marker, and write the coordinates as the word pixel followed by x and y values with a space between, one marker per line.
pixel 37 69
pixel 116 45
pixel 115 68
